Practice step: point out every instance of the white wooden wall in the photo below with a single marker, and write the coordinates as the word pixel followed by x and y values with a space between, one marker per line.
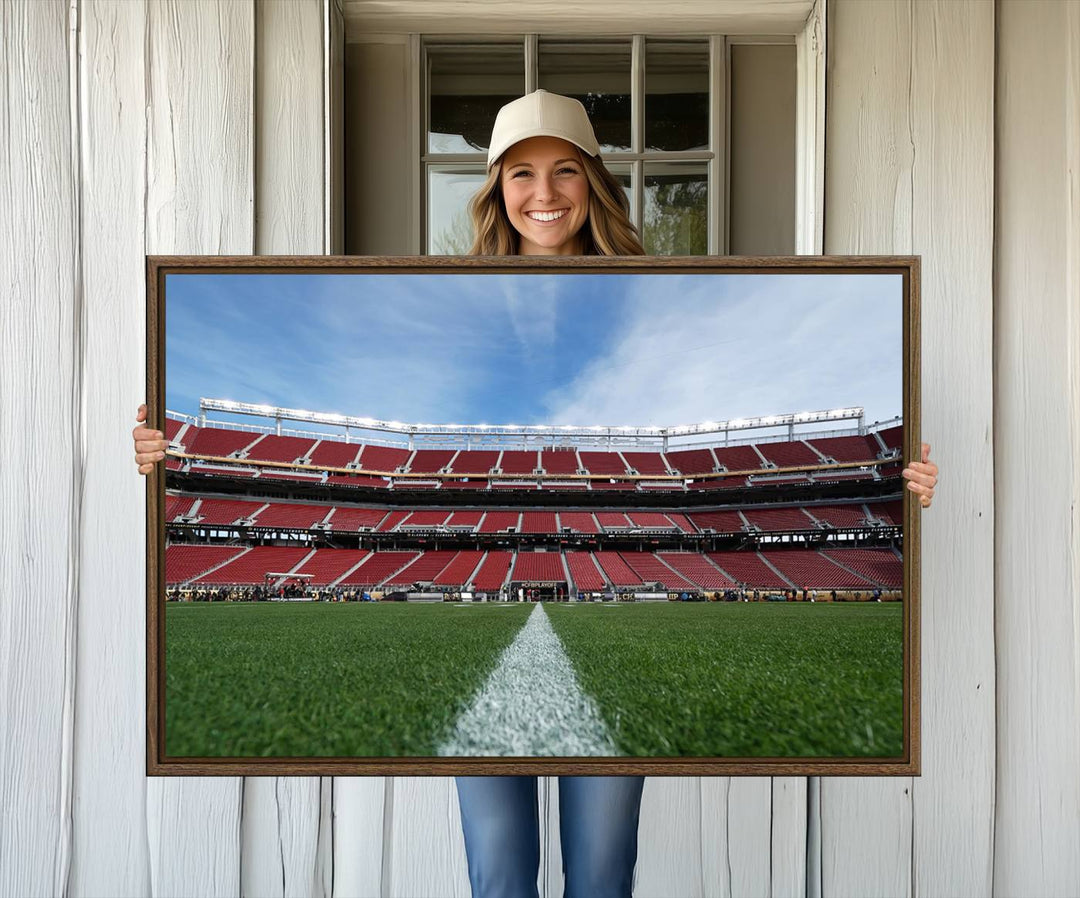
pixel 1037 450
pixel 910 151
pixel 199 127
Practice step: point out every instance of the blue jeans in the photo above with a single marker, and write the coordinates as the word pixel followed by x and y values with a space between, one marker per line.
pixel 598 829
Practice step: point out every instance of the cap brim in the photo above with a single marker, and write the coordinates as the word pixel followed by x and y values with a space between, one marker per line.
pixel 496 152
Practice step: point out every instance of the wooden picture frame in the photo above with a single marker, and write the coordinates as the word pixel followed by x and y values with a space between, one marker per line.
pixel 824 479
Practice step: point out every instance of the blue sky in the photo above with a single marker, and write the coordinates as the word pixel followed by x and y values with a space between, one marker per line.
pixel 537 349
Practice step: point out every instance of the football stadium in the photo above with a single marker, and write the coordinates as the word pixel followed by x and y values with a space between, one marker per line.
pixel 355 587
pixel 662 557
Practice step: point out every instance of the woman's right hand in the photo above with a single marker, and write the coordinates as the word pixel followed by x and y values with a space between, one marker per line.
pixel 150 445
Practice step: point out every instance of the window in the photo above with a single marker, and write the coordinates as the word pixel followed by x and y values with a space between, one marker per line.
pixel 701 131
pixel 660 108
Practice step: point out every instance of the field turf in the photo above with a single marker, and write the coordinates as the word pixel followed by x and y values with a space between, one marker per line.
pixel 325 679
pixel 742 679
pixel 669 679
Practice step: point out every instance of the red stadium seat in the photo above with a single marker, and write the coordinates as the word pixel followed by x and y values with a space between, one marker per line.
pixel 226 511
pixel 622 533
pixel 377 567
pixel 887 512
pixel 291 516
pixel 789 454
pixel 221 443
pixel 327 565
pixel 652 570
pixel 718 521
pixel 538 567
pixel 646 463
pixel 838 515
pixel 772 520
pixel 809 569
pixel 739 458
pixel 500 521
pixel 603 462
pixel 353 520
pixel 424 570
pixel 518 462
pixel 881 566
pixel 475 461
pixel 493 571
pixel 616 570
pixel 749 569
pixel 283 449
pixel 698 569
pixel 383 459
pixel 692 461
pixel 334 454
pixel 842 449
pixel 250 568
pixel 464 520
pixel 539 522
pixel 559 461
pixel 430 461
pixel 426 520
pixel 459 572
pixel 579 521
pixel 184 562
pixel 584 572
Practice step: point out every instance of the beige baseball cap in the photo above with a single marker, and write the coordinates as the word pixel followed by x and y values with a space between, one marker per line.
pixel 541 114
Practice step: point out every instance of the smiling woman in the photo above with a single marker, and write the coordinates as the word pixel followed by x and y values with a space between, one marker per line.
pixel 546 196
pixel 547 190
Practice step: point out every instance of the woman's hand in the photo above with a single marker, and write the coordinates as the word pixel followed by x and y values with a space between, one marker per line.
pixel 150 445
pixel 922 477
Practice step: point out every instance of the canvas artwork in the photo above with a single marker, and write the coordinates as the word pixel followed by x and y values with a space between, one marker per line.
pixel 479 516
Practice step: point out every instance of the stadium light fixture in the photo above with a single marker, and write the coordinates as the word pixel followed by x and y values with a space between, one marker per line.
pixel 511 429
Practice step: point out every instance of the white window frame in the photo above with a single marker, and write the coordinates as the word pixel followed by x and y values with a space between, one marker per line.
pixel 809 42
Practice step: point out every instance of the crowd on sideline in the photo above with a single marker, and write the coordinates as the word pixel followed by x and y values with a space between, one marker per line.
pixel 293 591
pixel 306 592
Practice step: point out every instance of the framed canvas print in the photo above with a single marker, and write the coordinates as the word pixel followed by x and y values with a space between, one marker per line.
pixel 533 516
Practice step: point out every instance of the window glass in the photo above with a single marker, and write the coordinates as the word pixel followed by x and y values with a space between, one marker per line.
pixel 467 84
pixel 676 95
pixel 449 190
pixel 676 209
pixel 597 74
pixel 623 175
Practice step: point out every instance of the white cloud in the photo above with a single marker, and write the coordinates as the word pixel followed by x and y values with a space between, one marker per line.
pixel 439 348
pixel 772 345
pixel 532 304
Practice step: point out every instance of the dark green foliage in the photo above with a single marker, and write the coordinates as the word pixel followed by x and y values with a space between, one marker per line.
pixel 742 680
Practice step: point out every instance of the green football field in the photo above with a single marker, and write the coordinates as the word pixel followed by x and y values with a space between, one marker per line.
pixel 668 679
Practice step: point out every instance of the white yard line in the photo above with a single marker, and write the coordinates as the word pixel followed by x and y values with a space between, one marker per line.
pixel 531 705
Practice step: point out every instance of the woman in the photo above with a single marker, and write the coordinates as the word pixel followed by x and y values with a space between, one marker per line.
pixel 548 193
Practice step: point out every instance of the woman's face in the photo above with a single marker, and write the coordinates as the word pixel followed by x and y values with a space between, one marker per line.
pixel 546 195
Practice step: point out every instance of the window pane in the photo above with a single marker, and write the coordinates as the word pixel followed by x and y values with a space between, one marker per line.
pixel 676 95
pixel 676 209
pixel 597 74
pixel 467 84
pixel 624 176
pixel 449 191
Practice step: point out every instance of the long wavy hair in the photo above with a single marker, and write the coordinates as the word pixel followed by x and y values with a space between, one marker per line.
pixel 607 231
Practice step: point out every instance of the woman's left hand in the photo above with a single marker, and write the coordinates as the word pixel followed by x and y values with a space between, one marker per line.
pixel 922 477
